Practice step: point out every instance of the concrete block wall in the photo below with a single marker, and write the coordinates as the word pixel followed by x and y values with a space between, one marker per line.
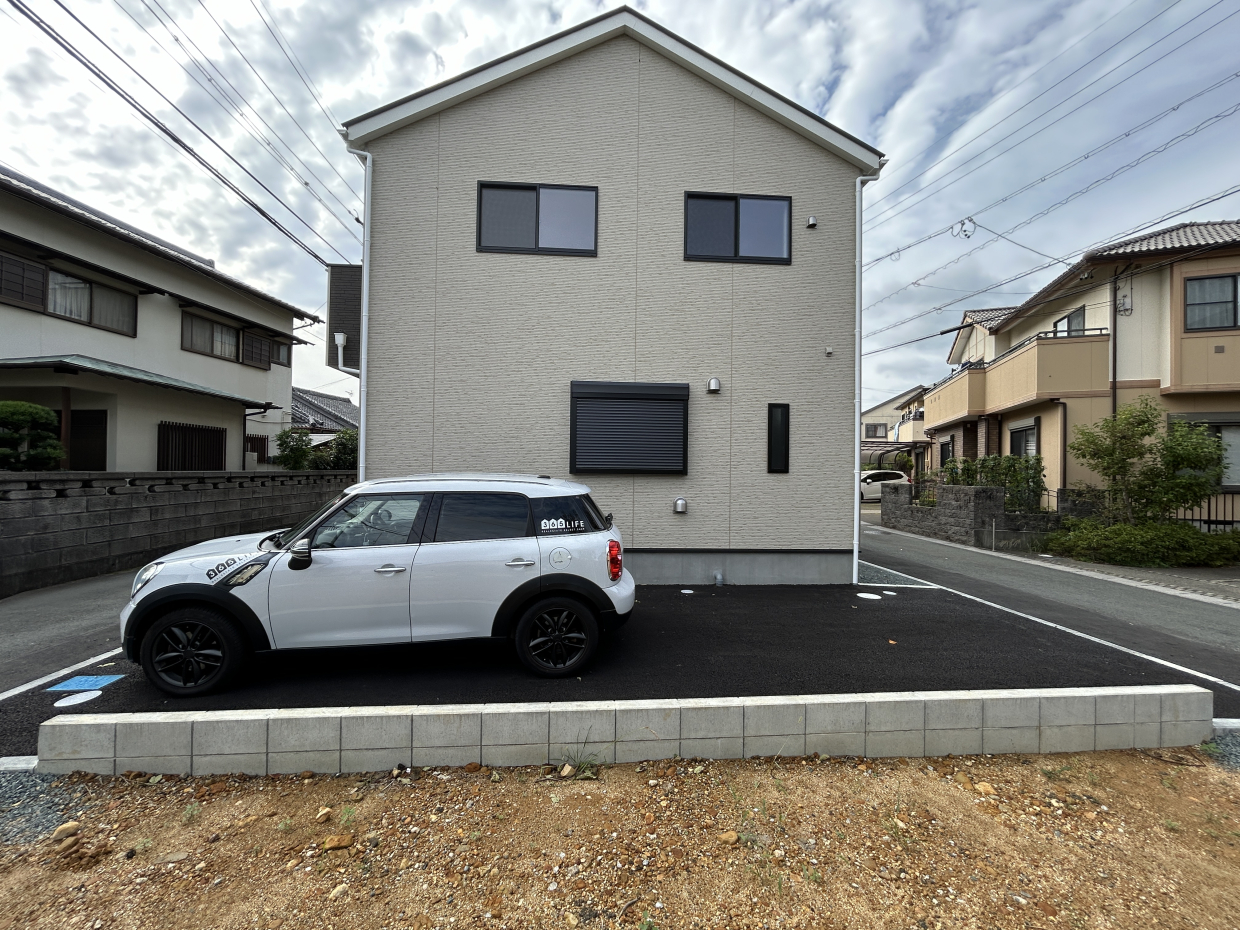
pixel 972 516
pixel 360 739
pixel 61 526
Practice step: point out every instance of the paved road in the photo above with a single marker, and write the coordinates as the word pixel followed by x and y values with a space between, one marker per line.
pixel 50 628
pixel 1192 633
pixel 716 642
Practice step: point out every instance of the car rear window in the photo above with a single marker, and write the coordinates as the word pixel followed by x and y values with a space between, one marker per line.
pixel 483 515
pixel 554 516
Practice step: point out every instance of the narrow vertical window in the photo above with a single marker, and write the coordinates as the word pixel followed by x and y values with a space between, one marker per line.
pixel 777 438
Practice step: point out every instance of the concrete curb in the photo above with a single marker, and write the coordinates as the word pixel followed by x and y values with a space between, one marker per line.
pixel 360 739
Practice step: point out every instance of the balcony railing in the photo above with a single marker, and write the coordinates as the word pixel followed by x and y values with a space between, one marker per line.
pixel 1045 334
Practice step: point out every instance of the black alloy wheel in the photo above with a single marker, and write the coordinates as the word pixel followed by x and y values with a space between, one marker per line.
pixel 191 651
pixel 557 637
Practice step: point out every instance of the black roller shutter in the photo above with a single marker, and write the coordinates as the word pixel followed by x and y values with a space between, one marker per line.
pixel 629 428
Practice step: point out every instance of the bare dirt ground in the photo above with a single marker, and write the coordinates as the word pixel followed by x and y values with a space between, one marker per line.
pixel 1098 840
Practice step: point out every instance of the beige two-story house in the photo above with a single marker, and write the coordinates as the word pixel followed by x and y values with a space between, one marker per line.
pixel 612 256
pixel 152 358
pixel 1154 315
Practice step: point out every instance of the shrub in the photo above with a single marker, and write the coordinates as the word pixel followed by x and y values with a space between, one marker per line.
pixel 27 442
pixel 1143 545
pixel 294 449
pixel 1020 476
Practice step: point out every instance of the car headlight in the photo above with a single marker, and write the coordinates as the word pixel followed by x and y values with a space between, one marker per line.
pixel 147 573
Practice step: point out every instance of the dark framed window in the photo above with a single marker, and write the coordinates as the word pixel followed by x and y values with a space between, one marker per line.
pixel 738 228
pixel 256 351
pixel 1210 303
pixel 185 447
pixel 1073 324
pixel 281 354
pixel 94 304
pixel 876 431
pixel 22 283
pixel 208 337
pixel 556 219
pixel 481 515
pixel 257 445
pixel 1023 437
pixel 777 438
pixel 623 427
pixel 947 450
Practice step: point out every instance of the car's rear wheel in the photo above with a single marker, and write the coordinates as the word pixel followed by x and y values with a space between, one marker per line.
pixel 557 637
pixel 191 651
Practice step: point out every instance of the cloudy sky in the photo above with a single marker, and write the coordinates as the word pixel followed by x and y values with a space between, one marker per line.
pixel 1059 124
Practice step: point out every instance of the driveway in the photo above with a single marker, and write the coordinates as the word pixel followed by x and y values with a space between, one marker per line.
pixel 728 641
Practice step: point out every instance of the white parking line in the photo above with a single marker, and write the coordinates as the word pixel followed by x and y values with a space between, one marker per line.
pixel 1092 639
pixel 13 692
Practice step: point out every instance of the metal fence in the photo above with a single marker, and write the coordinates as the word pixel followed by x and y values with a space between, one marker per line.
pixel 1216 515
pixel 925 491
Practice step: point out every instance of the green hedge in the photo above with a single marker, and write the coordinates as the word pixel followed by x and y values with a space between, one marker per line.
pixel 1149 544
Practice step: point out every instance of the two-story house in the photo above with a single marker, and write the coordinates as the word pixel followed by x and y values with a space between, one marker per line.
pixel 611 255
pixel 152 358
pixel 895 427
pixel 1155 314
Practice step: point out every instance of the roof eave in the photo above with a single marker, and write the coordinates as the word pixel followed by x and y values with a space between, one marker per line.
pixel 621 22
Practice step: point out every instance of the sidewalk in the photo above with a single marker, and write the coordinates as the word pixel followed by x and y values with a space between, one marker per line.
pixel 1211 582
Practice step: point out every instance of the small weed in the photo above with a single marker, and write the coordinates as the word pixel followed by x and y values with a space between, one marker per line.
pixel 1210 748
pixel 1058 774
pixel 839 835
pixel 1213 834
pixel 1168 782
pixel 191 812
pixel 142 845
pixel 1093 778
pixel 586 763
pixel 811 875
pixel 748 839
pixel 780 785
pixel 647 922
pixel 285 825
pixel 475 835
pixel 1171 825
pixel 347 815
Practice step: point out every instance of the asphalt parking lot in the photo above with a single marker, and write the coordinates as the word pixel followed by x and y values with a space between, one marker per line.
pixel 727 641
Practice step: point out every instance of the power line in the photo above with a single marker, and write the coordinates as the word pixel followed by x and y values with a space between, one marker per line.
pixel 94 69
pixel 1205 201
pixel 237 113
pixel 276 33
pixel 893 215
pixel 1114 140
pixel 1139 160
pixel 1031 100
pixel 329 162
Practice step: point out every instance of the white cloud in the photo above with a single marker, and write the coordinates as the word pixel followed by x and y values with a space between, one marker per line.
pixel 906 75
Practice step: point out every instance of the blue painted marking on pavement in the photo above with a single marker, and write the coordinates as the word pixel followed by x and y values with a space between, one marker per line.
pixel 85 682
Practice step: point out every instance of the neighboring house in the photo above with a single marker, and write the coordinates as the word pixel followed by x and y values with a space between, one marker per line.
pixel 1155 315
pixel 893 427
pixel 323 415
pixel 570 244
pixel 152 358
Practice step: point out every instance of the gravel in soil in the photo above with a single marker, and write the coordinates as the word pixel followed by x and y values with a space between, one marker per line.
pixel 1097 840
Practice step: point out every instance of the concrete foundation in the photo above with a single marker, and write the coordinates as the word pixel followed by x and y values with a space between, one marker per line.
pixel 739 566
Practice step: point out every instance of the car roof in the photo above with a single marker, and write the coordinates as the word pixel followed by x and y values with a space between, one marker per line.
pixel 529 485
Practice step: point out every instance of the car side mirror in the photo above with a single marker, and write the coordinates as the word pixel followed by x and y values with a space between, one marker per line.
pixel 299 555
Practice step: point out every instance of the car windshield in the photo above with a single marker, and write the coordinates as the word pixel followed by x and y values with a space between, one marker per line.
pixel 292 535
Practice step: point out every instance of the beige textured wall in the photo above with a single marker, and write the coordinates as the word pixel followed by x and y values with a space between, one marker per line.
pixel 472 353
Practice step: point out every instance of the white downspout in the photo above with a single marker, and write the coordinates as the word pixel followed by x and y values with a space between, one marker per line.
pixel 856 488
pixel 361 433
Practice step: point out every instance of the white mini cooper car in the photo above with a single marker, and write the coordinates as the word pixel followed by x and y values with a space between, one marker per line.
pixel 398 560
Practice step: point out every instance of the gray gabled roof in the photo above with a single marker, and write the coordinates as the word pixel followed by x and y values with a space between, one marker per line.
pixel 29 189
pixel 621 21
pixel 315 410
pixel 991 318
pixel 895 402
pixel 1173 238
pixel 97 366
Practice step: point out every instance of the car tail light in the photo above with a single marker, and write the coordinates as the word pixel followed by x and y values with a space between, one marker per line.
pixel 615 560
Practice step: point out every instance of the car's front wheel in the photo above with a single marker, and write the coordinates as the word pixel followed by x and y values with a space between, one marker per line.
pixel 192 651
pixel 557 637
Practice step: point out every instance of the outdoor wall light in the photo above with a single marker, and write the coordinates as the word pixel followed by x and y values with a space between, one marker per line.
pixel 680 505
pixel 813 223
pixel 713 386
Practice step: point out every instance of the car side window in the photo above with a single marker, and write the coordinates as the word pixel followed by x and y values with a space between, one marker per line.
pixel 482 515
pixel 557 516
pixel 370 521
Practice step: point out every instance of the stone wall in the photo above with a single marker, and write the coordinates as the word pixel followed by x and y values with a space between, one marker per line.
pixel 61 526
pixel 967 515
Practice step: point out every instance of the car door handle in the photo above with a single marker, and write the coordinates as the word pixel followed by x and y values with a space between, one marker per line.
pixel 520 563
pixel 389 569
